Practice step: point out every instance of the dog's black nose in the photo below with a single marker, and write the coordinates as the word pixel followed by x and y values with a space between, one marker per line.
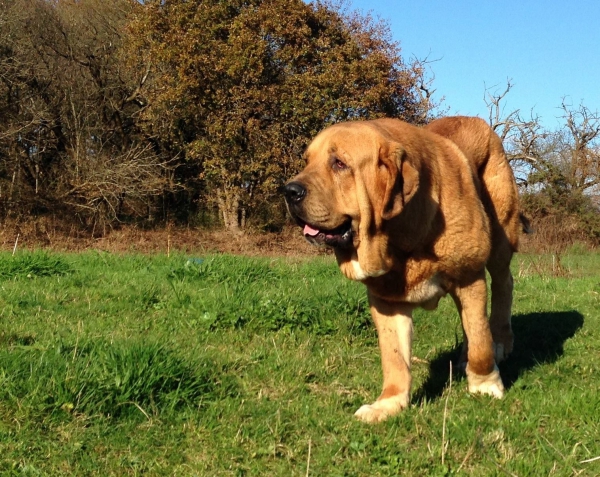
pixel 294 192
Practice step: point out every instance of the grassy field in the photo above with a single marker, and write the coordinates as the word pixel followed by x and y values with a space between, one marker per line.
pixel 222 365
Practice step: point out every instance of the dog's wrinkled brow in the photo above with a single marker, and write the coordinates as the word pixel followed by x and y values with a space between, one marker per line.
pixel 331 151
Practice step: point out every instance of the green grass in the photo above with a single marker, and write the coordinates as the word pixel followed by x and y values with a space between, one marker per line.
pixel 221 365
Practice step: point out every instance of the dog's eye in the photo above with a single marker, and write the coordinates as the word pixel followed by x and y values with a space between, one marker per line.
pixel 338 165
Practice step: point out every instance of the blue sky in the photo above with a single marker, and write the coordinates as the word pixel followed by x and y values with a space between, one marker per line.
pixel 549 49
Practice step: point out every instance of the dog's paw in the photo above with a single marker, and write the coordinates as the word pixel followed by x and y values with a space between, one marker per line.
pixel 381 409
pixel 370 414
pixel 490 384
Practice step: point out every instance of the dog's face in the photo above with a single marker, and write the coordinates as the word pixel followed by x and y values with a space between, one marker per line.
pixel 356 180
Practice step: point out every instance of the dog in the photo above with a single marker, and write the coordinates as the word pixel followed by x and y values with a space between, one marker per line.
pixel 416 213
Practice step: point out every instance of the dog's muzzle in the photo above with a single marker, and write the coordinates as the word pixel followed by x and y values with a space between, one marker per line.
pixel 340 236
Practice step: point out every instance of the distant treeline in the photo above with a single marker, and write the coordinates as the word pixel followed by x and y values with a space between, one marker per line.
pixel 196 112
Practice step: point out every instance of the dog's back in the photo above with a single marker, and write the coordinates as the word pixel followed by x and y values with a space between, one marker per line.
pixel 483 148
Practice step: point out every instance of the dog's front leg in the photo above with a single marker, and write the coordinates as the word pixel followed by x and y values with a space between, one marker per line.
pixel 482 373
pixel 394 329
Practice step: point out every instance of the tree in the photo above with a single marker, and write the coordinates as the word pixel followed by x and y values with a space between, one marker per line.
pixel 568 164
pixel 239 87
pixel 72 142
pixel 558 170
pixel 14 117
pixel 523 139
pixel 579 151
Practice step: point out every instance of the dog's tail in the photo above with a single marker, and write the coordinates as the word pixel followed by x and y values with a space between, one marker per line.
pixel 526 224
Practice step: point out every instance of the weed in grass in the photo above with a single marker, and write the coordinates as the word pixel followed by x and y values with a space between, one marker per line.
pixel 31 265
pixel 218 270
pixel 246 302
pixel 114 380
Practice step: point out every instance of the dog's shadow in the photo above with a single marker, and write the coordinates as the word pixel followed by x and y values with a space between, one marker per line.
pixel 539 339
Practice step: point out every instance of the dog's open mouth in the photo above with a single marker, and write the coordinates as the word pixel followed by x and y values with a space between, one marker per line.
pixel 339 237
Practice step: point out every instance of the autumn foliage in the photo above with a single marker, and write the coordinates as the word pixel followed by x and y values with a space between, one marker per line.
pixel 238 88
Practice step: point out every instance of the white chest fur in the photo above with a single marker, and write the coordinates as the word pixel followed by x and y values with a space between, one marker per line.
pixel 426 293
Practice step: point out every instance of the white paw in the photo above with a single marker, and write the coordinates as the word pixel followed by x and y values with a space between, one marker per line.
pixel 490 384
pixel 370 414
pixel 381 409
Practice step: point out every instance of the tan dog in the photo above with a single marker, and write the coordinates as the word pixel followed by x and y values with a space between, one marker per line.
pixel 415 213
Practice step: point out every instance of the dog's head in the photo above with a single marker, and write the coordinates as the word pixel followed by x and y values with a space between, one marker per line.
pixel 357 179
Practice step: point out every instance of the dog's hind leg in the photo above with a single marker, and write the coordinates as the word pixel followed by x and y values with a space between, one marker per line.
pixel 501 201
pixel 502 291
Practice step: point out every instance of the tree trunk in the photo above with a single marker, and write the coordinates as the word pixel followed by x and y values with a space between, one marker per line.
pixel 229 208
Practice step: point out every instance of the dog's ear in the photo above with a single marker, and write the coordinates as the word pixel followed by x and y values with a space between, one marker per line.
pixel 397 177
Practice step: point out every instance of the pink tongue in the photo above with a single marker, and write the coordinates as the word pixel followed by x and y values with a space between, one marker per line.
pixel 308 230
